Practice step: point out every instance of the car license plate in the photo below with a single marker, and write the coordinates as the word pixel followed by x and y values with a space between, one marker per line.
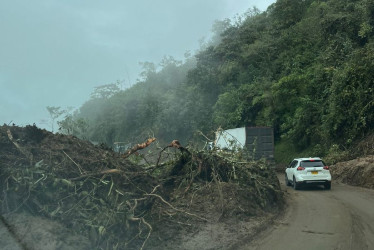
pixel 314 172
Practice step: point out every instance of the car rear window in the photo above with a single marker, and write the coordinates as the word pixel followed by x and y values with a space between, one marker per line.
pixel 311 164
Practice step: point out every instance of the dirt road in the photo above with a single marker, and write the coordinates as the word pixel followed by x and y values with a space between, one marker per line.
pixel 341 218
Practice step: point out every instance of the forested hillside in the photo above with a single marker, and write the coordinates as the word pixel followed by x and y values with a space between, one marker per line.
pixel 303 67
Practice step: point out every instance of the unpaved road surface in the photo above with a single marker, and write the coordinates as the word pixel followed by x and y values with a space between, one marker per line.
pixel 340 218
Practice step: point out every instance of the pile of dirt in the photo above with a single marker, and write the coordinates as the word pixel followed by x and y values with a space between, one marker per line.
pixel 357 172
pixel 115 204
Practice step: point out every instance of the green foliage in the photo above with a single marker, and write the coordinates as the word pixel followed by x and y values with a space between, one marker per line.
pixel 336 154
pixel 352 98
pixel 303 67
pixel 285 151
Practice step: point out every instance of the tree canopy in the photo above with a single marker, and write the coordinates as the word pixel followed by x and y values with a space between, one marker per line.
pixel 303 67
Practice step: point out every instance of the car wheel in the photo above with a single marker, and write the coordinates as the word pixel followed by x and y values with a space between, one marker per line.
pixel 328 186
pixel 295 185
pixel 287 181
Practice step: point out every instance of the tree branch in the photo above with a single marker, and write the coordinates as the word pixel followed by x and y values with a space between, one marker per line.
pixel 138 147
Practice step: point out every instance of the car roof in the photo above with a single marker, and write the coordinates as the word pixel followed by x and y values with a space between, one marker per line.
pixel 308 159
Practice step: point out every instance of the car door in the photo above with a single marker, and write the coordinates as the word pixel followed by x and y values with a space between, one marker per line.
pixel 290 168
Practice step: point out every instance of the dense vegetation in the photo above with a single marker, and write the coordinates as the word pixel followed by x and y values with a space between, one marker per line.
pixel 303 67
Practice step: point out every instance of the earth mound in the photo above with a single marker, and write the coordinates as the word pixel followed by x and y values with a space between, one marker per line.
pixel 194 199
pixel 357 172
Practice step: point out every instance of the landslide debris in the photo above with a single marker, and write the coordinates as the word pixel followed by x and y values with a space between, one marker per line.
pixel 356 172
pixel 116 204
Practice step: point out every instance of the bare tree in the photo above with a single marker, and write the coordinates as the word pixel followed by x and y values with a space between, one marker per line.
pixel 55 112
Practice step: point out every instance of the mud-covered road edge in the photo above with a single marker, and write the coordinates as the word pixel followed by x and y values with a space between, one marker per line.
pixel 261 228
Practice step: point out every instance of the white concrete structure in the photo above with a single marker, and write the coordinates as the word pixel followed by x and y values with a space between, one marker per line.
pixel 231 138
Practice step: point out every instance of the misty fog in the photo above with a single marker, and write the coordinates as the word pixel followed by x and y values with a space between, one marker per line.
pixel 54 53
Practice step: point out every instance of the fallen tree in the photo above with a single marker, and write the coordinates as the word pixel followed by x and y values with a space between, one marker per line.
pixel 116 204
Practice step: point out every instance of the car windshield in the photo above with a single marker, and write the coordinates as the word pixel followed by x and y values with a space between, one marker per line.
pixel 310 164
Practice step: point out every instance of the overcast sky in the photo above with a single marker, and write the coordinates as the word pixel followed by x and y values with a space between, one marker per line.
pixel 53 52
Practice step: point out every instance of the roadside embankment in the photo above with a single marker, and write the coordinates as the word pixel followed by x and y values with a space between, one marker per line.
pixel 357 172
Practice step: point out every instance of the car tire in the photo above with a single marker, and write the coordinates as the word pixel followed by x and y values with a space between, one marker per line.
pixel 328 186
pixel 295 185
pixel 287 181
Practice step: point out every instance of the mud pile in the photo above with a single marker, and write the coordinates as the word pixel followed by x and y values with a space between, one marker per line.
pixel 357 172
pixel 113 203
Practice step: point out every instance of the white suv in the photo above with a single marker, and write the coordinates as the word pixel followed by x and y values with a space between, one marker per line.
pixel 311 171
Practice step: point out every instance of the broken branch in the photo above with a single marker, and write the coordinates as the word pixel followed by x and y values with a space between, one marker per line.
pixel 76 164
pixel 108 171
pixel 138 147
pixel 28 155
pixel 176 209
pixel 173 144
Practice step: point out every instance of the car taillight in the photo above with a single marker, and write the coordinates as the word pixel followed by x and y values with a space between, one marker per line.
pixel 300 168
pixel 326 167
